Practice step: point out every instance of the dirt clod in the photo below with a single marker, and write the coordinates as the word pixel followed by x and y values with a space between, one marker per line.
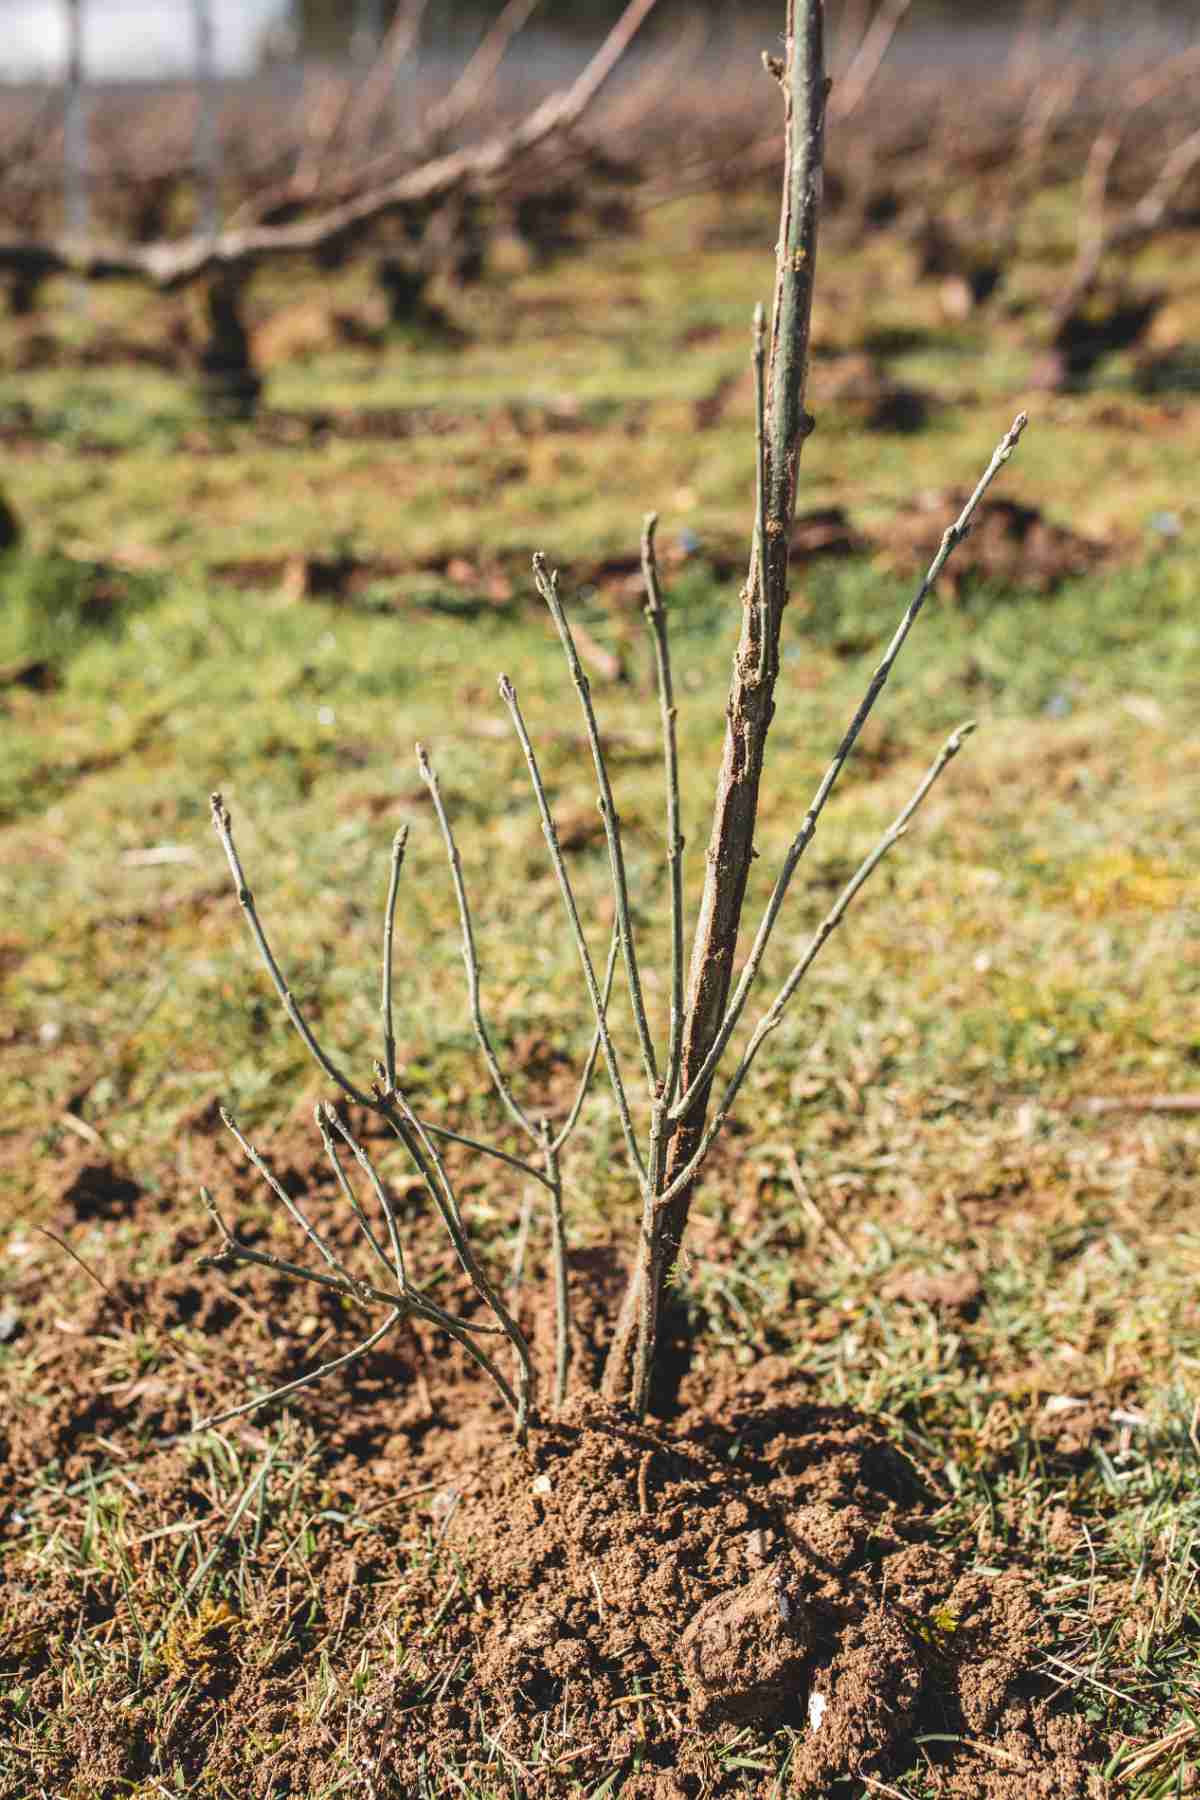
pixel 1009 544
pixel 743 1654
pixel 98 1191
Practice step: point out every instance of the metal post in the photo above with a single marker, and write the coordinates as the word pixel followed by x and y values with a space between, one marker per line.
pixel 207 149
pixel 368 28
pixel 75 132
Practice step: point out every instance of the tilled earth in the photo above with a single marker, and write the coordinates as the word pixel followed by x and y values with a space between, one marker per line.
pixel 381 1593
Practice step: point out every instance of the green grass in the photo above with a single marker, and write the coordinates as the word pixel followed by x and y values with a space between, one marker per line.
pixel 1032 943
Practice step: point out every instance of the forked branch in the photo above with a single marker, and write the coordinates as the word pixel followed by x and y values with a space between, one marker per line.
pixel 774 1013
pixel 951 537
pixel 389 1103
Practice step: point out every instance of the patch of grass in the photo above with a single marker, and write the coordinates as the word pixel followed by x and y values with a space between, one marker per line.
pixel 1033 943
pixel 52 605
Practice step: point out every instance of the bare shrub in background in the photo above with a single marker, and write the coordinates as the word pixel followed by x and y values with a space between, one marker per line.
pixel 685 1099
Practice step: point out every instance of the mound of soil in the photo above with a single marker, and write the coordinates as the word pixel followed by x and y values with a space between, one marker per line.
pixel 858 388
pixel 645 1593
pixel 758 1596
pixel 10 529
pixel 1009 544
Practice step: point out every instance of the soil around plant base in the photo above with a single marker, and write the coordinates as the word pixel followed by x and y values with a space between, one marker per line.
pixel 765 1562
pixel 756 1596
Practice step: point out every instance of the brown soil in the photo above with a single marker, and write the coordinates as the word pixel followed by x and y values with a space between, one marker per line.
pixel 854 385
pixel 605 1600
pixel 1009 544
pixel 499 582
pixel 859 388
pixel 765 1561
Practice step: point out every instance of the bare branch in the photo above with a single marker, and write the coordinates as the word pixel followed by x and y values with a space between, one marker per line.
pixel 751 692
pixel 314 1237
pixel 224 829
pixel 508 694
pixel 852 89
pixel 424 1152
pixel 547 586
pixel 364 108
pixel 233 1250
pixel 479 167
pixel 475 79
pixel 520 1248
pixel 758 358
pixel 469 953
pixel 410 1300
pixel 656 614
pixel 585 1079
pixel 484 1149
pixel 825 930
pixel 390 1103
pixel 381 1194
pixel 323 1114
pixel 1152 213
pixel 558 1247
pixel 953 535
pixel 389 925
pixel 292 1387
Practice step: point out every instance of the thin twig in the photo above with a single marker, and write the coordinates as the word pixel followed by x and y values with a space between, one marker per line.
pixel 118 1300
pixel 850 91
pixel 508 694
pixel 656 614
pixel 469 88
pixel 647 1337
pixel 484 1149
pixel 390 1103
pixel 224 829
pixel 547 586
pixel 323 1114
pixel 389 925
pixel 953 535
pixel 381 1194
pixel 759 561
pixel 351 1287
pixel 558 1248
pixel 424 1152
pixel 572 1118
pixel 311 1233
pixel 409 1304
pixel 233 1251
pixel 289 1387
pixel 365 106
pixel 1138 1103
pixel 517 1272
pixel 829 924
pixel 469 953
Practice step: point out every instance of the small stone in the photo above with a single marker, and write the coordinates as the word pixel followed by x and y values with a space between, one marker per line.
pixel 10 1324
pixel 543 1485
